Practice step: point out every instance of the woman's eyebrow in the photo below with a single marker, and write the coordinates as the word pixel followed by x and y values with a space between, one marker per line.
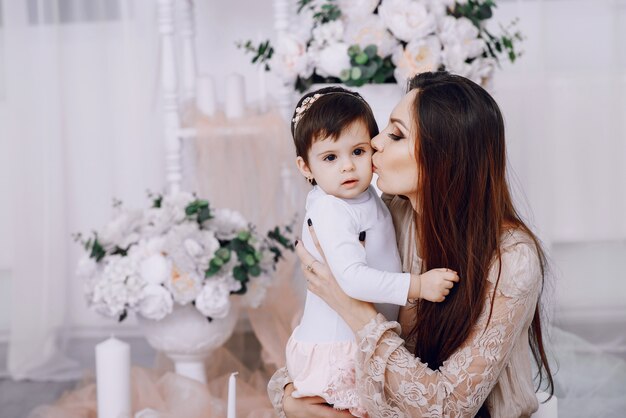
pixel 398 121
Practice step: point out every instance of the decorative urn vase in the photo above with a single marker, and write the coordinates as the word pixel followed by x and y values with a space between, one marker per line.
pixel 188 338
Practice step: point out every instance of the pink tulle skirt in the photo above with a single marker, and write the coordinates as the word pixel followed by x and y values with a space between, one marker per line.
pixel 326 370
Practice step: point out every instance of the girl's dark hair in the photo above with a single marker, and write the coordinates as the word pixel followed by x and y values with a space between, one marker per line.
pixel 328 116
pixel 464 206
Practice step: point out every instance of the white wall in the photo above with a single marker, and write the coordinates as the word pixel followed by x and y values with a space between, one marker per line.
pixel 582 68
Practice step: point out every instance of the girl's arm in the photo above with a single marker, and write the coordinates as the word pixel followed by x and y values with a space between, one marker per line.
pixel 337 231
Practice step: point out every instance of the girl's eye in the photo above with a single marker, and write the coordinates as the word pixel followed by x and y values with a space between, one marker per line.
pixel 394 137
pixel 358 151
pixel 330 157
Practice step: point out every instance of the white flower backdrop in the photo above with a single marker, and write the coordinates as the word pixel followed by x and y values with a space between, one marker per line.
pixel 80 125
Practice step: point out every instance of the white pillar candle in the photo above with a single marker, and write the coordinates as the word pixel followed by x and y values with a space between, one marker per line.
pixel 205 95
pixel 113 378
pixel 235 96
pixel 232 396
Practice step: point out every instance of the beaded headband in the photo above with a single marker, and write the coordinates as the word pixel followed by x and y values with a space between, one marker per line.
pixel 306 104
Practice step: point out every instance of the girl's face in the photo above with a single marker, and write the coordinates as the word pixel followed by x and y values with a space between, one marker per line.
pixel 394 157
pixel 341 167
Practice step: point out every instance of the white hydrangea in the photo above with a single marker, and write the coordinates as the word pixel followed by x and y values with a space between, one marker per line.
pixel 118 288
pixel 370 30
pixel 407 19
pixel 416 57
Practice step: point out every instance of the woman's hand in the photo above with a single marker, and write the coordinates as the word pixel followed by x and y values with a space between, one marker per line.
pixel 320 280
pixel 309 407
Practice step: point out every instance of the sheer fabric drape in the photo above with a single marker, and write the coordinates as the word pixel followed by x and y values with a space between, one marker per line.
pixel 82 129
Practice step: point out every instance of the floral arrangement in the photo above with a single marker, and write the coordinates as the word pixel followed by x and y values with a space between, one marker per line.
pixel 177 251
pixel 384 41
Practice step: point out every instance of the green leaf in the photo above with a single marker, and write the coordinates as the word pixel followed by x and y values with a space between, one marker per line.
pixel 355 73
pixel 255 271
pixel 211 271
pixel 371 51
pixel 361 59
pixel 223 253
pixel 249 260
pixel 240 274
pixel 243 236
pixel 216 262
pixel 344 75
pixel 354 50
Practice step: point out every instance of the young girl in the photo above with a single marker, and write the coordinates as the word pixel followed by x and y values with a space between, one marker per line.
pixel 332 128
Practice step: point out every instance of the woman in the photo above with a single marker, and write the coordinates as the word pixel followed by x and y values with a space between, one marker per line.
pixel 441 164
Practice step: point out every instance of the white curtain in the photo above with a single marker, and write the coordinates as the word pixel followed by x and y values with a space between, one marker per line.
pixel 82 126
pixel 565 107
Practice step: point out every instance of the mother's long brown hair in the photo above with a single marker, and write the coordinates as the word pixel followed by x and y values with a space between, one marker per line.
pixel 464 205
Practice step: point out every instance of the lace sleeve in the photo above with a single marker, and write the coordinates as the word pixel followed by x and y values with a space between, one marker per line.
pixel 392 381
pixel 276 390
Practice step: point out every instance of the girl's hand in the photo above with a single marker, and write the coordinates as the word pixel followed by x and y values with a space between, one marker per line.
pixel 320 280
pixel 437 283
pixel 309 407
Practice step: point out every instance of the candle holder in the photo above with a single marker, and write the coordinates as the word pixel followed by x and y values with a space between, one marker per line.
pixel 188 338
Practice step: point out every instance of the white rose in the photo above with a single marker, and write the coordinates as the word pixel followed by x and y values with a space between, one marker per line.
pixel 357 8
pixel 214 299
pixel 155 269
pixel 417 57
pixel 371 30
pixel 184 286
pixel 406 19
pixel 332 60
pixel 156 302
pixel 291 59
pixel 462 35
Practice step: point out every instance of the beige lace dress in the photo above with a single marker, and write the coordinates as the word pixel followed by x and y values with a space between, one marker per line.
pixel 494 364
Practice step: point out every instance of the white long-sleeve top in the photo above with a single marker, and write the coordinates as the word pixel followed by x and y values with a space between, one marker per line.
pixel 372 274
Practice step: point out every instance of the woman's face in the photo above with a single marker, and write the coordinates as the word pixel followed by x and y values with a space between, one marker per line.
pixel 394 158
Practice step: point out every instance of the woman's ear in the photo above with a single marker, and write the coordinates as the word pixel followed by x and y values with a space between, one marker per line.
pixel 304 168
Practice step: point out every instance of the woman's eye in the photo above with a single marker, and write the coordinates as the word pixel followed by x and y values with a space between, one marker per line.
pixel 358 151
pixel 330 157
pixel 394 136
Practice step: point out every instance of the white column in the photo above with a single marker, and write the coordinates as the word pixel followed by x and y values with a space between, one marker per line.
pixel 284 93
pixel 188 50
pixel 173 173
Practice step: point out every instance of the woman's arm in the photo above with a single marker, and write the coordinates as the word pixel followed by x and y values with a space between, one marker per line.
pixel 391 380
